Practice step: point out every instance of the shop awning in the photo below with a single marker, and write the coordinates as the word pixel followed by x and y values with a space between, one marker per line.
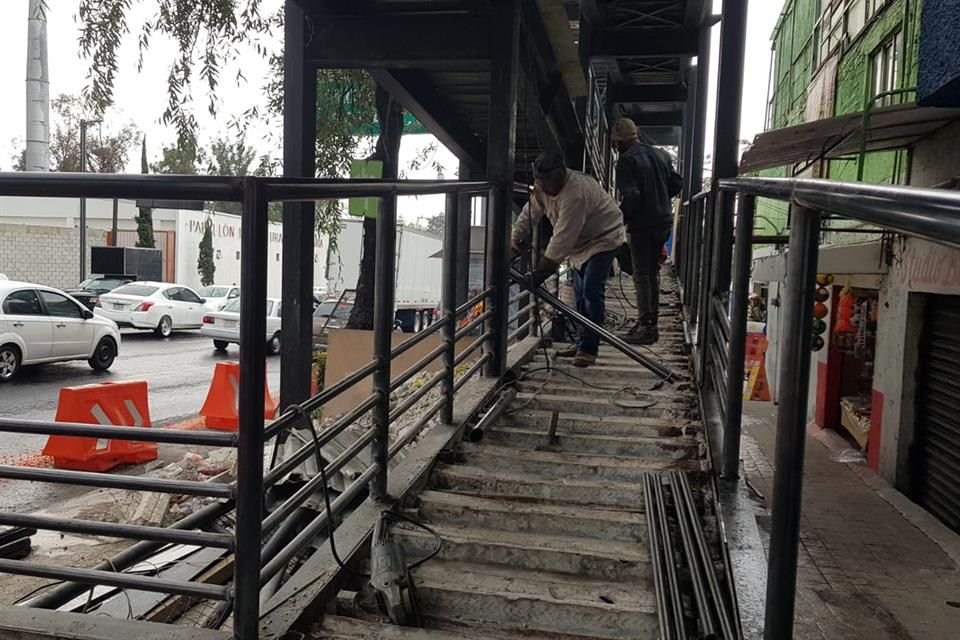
pixel 894 127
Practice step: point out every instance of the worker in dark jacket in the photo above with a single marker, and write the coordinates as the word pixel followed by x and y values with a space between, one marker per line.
pixel 643 178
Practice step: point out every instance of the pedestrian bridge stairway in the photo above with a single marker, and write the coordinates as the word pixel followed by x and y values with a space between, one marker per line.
pixel 549 537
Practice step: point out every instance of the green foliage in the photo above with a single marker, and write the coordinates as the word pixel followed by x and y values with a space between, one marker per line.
pixel 183 158
pixel 208 34
pixel 144 219
pixel 205 264
pixel 107 150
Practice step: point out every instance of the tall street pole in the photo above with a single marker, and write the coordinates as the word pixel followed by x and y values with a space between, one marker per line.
pixel 83 201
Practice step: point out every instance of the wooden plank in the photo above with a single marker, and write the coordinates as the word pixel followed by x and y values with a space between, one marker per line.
pixel 24 623
pixel 175 606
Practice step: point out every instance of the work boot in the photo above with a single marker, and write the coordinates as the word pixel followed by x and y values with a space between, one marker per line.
pixel 584 360
pixel 647 334
pixel 569 352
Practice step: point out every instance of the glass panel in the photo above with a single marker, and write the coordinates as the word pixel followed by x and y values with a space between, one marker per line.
pixel 136 290
pixel 60 306
pixel 23 303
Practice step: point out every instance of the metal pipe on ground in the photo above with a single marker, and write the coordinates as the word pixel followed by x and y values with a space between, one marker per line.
pixel 665 629
pixel 693 562
pixel 727 626
pixel 661 371
pixel 673 583
pixel 475 434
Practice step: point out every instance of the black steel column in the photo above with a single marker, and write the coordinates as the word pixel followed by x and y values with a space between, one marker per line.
pixel 253 326
pixel 791 423
pixel 742 256
pixel 383 315
pixel 705 291
pixel 504 72
pixel 690 125
pixel 449 301
pixel 726 143
pixel 699 141
pixel 299 139
pixel 464 222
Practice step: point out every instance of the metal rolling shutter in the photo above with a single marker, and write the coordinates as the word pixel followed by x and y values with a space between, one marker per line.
pixel 937 443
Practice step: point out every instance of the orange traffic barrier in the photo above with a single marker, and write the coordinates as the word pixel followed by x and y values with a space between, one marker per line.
pixel 107 403
pixel 221 408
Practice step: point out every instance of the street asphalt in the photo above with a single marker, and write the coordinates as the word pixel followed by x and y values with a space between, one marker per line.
pixel 178 371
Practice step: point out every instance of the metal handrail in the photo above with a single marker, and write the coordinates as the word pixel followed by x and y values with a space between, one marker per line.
pixel 138 434
pixel 410 343
pixel 141 483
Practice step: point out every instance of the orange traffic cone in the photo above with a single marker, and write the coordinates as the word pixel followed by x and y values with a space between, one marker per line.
pixel 221 408
pixel 113 403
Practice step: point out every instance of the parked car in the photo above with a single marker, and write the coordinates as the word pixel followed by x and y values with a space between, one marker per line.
pixel 89 291
pixel 217 296
pixel 330 314
pixel 157 306
pixel 40 324
pixel 224 326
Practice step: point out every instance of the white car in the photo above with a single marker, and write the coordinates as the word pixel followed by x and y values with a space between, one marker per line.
pixel 157 306
pixel 224 326
pixel 217 296
pixel 40 324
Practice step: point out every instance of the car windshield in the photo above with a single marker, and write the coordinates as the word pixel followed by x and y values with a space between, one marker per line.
pixel 142 290
pixel 326 308
pixel 213 292
pixel 234 306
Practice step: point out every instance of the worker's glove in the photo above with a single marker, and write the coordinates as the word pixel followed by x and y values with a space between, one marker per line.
pixel 517 249
pixel 544 270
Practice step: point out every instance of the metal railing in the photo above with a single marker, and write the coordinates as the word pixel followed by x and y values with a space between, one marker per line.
pixel 262 543
pixel 714 258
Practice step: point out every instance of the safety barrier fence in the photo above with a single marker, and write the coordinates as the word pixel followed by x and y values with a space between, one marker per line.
pixel 263 543
pixel 713 256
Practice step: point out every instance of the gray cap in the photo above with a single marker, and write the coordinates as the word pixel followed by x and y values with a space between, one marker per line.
pixel 548 163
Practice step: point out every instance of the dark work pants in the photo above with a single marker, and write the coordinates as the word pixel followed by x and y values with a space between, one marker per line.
pixel 589 287
pixel 646 247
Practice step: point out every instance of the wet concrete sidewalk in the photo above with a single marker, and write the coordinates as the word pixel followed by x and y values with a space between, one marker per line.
pixel 873 565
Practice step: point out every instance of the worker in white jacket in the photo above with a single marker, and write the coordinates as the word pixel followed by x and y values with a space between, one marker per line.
pixel 587 231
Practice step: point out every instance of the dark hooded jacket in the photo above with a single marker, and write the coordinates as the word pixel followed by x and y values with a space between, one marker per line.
pixel 643 174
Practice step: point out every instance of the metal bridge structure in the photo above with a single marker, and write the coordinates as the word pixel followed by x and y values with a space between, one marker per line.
pixel 531 500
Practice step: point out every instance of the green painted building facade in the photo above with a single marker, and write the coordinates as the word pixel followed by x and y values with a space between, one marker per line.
pixel 831 58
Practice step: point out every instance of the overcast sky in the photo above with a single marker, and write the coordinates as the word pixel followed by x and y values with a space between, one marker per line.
pixel 141 97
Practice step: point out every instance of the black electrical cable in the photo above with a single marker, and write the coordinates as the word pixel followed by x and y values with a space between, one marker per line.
pixel 330 523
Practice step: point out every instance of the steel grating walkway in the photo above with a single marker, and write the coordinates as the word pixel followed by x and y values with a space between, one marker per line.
pixel 550 537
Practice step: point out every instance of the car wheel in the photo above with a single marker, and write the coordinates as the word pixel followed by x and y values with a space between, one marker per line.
pixel 220 345
pixel 417 321
pixel 273 345
pixel 9 362
pixel 165 328
pixel 104 355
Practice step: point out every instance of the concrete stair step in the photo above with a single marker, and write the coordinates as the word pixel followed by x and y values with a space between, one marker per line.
pixel 601 373
pixel 577 556
pixel 514 599
pixel 585 423
pixel 529 517
pixel 520 486
pixel 623 391
pixel 344 628
pixel 568 465
pixel 599 406
pixel 681 448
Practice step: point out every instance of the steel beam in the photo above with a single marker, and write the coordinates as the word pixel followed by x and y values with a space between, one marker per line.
pixel 743 254
pixel 299 161
pixel 452 41
pixel 433 111
pixel 253 373
pixel 726 145
pixel 698 145
pixel 464 222
pixel 504 79
pixel 791 424
pixel 643 43
pixel 383 315
pixel 647 93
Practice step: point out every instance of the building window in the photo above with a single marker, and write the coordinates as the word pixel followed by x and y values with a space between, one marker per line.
pixel 885 70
